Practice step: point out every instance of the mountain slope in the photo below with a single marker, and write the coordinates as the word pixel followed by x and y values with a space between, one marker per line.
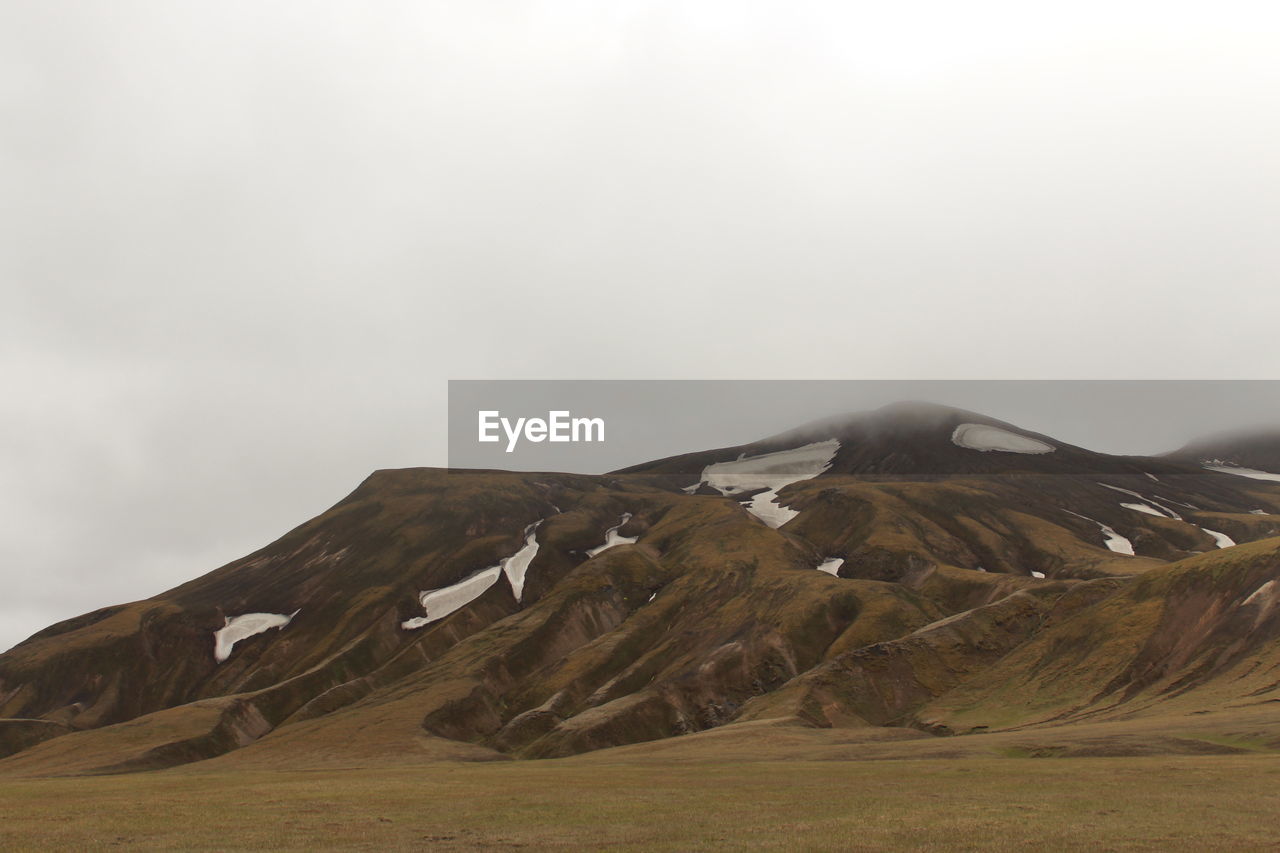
pixel 1201 634
pixel 484 615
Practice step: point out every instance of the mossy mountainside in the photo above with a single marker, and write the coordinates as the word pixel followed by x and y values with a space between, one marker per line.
pixel 971 598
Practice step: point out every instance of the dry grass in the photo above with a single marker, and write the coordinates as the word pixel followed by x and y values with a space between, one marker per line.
pixel 1196 802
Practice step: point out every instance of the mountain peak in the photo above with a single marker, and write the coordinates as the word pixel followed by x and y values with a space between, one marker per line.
pixel 902 418
pixel 921 438
pixel 1257 448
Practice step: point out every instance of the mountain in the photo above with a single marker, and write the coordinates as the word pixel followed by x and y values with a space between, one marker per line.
pixel 917 567
pixel 927 440
pixel 1257 451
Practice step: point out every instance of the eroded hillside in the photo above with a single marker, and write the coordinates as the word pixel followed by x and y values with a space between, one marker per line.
pixel 973 578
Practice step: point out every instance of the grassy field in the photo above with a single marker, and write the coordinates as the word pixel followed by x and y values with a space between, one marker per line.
pixel 1160 803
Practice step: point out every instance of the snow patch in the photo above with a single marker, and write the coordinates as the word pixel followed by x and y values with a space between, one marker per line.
pixel 1223 540
pixel 1145 509
pixel 1165 511
pixel 517 564
pixel 765 507
pixel 1258 512
pixel 1264 598
pixel 612 538
pixel 1114 541
pixel 983 437
pixel 243 627
pixel 439 603
pixel 1037 574
pixel 772 472
pixel 1252 473
pixel 1264 595
pixel 831 565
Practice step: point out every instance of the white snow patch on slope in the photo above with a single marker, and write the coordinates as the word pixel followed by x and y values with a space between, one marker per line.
pixel 772 472
pixel 439 603
pixel 1264 595
pixel 831 565
pixel 1258 512
pixel 243 627
pixel 765 507
pixel 1149 510
pixel 1113 540
pixel 1165 511
pixel 983 437
pixel 517 564
pixel 1153 477
pixel 612 537
pixel 1037 574
pixel 1223 540
pixel 1252 473
pixel 1264 598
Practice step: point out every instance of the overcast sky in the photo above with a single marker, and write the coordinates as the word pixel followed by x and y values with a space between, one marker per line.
pixel 247 243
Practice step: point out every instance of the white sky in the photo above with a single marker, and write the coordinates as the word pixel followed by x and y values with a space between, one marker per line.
pixel 247 242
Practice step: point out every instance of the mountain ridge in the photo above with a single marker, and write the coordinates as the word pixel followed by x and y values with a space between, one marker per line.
pixel 916 438
pixel 945 553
